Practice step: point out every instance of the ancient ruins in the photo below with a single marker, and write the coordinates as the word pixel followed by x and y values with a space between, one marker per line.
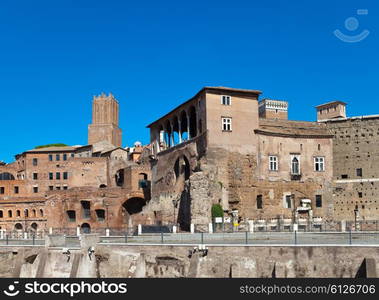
pixel 224 146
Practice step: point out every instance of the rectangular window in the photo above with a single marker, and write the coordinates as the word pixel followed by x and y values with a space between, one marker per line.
pixel 319 163
pixel 50 157
pixel 51 188
pixel 65 175
pixel 65 187
pixel 71 215
pixel 58 188
pixel 259 201
pixel 318 201
pixel 344 176
pixel 35 176
pixel 57 176
pixel 2 190
pixel 35 189
pixel 16 190
pixel 226 100
pixel 57 157
pixel 226 124
pixel 359 172
pixel 51 176
pixel 72 154
pixel 35 161
pixel 64 156
pixel 273 163
pixel 360 195
pixel 295 165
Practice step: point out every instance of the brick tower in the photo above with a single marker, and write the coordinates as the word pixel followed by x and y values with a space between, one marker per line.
pixel 105 118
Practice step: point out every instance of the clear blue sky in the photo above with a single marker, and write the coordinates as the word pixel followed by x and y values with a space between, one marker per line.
pixel 153 55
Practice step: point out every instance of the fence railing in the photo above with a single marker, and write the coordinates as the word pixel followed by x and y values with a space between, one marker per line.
pixel 247 238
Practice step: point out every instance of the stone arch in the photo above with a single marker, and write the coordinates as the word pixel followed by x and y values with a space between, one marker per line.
pixel 6 176
pixel 18 226
pixel 134 205
pixel 168 134
pixel 85 228
pixel 119 177
pixel 176 131
pixel 184 125
pixel 34 226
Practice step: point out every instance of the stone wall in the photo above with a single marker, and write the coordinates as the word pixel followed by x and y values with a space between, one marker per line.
pixel 173 261
pixel 356 168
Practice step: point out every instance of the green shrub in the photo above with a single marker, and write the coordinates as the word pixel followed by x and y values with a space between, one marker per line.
pixel 217 211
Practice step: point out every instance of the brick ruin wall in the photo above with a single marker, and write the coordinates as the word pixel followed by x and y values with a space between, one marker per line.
pixel 356 146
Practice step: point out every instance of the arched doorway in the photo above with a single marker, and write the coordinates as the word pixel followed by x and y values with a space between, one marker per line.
pixel 85 228
pixel 119 177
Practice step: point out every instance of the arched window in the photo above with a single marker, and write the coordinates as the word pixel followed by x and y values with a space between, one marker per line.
pixel 6 176
pixel 41 212
pixel 10 214
pixel 18 213
pixel 295 166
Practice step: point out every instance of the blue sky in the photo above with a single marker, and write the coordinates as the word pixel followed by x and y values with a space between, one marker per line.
pixel 153 55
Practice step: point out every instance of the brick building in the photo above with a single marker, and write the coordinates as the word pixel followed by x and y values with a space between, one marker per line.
pixel 225 146
pixel 356 164
pixel 71 186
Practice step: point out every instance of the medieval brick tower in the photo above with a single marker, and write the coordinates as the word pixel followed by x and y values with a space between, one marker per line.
pixel 105 118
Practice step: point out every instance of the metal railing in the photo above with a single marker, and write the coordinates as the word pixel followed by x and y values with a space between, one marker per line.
pixel 248 238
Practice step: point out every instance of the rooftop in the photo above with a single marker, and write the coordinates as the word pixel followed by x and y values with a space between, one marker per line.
pixel 292 128
pixel 331 103
pixel 209 89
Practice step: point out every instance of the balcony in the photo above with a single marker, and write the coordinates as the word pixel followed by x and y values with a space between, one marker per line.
pixel 295 177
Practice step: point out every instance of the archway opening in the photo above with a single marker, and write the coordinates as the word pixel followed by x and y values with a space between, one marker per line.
pixel 18 226
pixel 184 125
pixel 134 205
pixel 119 177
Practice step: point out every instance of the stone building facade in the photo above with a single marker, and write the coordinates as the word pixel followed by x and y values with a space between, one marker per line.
pixel 356 163
pixel 221 146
